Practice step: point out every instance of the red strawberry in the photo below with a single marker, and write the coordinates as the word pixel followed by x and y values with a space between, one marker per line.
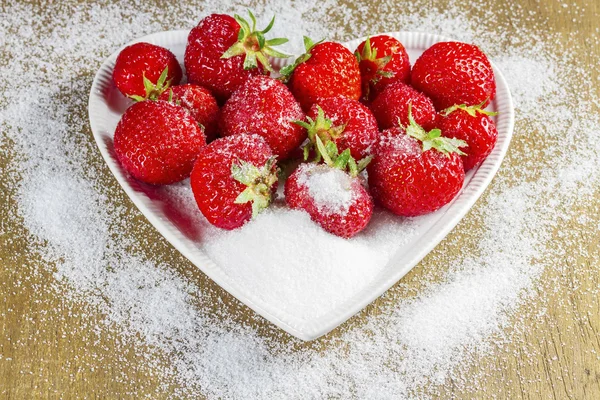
pixel 474 126
pixel 223 52
pixel 415 172
pixel 348 123
pixel 144 60
pixel 382 60
pixel 393 103
pixel 199 102
pixel 264 106
pixel 334 198
pixel 234 179
pixel 454 73
pixel 326 70
pixel 157 142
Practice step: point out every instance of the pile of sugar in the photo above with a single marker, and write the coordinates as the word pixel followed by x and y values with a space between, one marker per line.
pixel 82 230
pixel 329 188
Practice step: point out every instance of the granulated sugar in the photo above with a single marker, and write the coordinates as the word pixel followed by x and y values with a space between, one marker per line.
pixel 413 344
pixel 329 188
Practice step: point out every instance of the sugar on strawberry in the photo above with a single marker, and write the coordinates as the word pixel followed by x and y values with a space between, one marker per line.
pixel 264 106
pixel 140 66
pixel 454 73
pixel 199 102
pixel 332 193
pixel 234 179
pixel 157 142
pixel 473 125
pixel 415 172
pixel 382 60
pixel 224 51
pixel 327 69
pixel 346 122
pixel 391 106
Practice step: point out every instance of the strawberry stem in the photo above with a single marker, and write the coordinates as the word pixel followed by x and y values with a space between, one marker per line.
pixel 253 44
pixel 433 139
pixel 153 91
pixel 258 181
pixel 321 127
pixel 471 110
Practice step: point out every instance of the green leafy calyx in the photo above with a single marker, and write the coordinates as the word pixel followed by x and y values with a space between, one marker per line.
pixel 321 127
pixel 253 44
pixel 309 44
pixel 154 90
pixel 471 110
pixel 433 139
pixel 370 54
pixel 258 181
pixel 344 161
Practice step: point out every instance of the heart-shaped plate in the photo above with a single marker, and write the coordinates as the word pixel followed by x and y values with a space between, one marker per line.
pixel 178 226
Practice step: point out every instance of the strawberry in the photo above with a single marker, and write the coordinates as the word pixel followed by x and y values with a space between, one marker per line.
pixel 454 73
pixel 139 67
pixel 234 179
pixel 415 172
pixel 157 142
pixel 264 106
pixel 348 123
pixel 223 52
pixel 334 198
pixel 199 102
pixel 391 107
pixel 327 69
pixel 473 125
pixel 382 60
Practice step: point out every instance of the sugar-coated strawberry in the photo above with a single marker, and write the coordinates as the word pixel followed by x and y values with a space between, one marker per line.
pixel 454 73
pixel 473 125
pixel 264 106
pixel 144 60
pixel 327 69
pixel 415 172
pixel 347 122
pixel 382 60
pixel 157 142
pixel 234 179
pixel 223 52
pixel 393 103
pixel 334 198
pixel 199 102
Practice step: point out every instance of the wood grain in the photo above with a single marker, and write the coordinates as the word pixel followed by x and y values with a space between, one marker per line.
pixel 52 346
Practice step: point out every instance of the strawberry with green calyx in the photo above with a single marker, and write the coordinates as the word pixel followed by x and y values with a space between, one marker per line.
pixel 254 46
pixel 327 69
pixel 382 60
pixel 154 90
pixel 223 52
pixel 199 103
pixel 348 123
pixel 139 68
pixel 415 172
pixel 473 125
pixel 234 179
pixel 332 193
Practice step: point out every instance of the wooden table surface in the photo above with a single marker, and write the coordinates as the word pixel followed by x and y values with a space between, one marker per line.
pixel 50 347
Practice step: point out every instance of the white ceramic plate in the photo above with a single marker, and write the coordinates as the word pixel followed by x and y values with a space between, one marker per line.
pixel 106 105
